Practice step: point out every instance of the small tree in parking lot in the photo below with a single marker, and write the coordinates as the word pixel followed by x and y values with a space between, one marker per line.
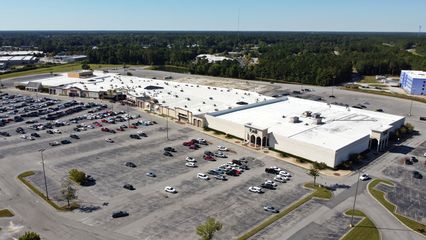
pixel 68 191
pixel 77 176
pixel 314 172
pixel 207 229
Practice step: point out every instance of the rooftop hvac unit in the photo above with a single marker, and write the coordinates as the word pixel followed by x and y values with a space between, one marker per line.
pixel 317 121
pixel 307 113
pixel 294 120
pixel 316 115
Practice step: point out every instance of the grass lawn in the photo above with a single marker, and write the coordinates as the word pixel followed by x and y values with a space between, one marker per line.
pixel 24 175
pixel 55 69
pixel 6 213
pixel 380 196
pixel 364 230
pixel 319 192
pixel 369 79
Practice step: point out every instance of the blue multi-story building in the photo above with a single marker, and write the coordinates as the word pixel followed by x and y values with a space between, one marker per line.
pixel 413 82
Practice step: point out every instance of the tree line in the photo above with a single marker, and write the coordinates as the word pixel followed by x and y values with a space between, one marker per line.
pixel 308 58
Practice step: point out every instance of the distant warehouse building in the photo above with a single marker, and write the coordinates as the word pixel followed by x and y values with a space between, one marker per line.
pixel 413 82
pixel 312 130
pixel 17 60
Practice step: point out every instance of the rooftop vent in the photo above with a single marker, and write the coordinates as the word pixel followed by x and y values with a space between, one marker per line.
pixel 294 120
pixel 307 113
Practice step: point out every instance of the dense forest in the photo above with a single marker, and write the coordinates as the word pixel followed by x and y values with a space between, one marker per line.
pixel 310 58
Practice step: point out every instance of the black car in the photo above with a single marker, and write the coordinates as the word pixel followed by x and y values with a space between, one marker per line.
pixel 271 170
pixel 143 134
pixel 75 136
pixel 169 149
pixel 135 136
pixel 209 153
pixel 20 130
pixel 129 187
pixel 267 186
pixel 5 134
pixel 119 214
pixel 213 172
pixel 417 175
pixel 408 162
pixel 50 131
pixel 35 135
pixel 166 153
pixel 130 164
pixel 65 141
pixel 414 159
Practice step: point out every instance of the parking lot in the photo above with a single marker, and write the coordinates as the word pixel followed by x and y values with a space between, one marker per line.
pixel 153 213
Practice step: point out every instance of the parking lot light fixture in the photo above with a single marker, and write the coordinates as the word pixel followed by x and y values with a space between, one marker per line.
pixel 44 171
pixel 356 193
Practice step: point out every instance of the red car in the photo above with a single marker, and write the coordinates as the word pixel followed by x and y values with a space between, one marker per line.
pixel 104 120
pixel 120 129
pixel 194 146
pixel 105 129
pixel 209 158
pixel 189 143
pixel 133 126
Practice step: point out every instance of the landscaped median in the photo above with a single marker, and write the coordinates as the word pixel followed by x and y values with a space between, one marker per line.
pixel 6 213
pixel 364 230
pixel 319 192
pixel 22 177
pixel 380 197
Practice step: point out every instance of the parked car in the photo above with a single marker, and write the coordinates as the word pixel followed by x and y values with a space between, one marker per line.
pixel 203 176
pixel 135 136
pixel 417 175
pixel 220 154
pixel 65 141
pixel 272 170
pixel 130 164
pixel 222 148
pixel 35 135
pixel 408 162
pixel 270 209
pixel 119 214
pixel 414 159
pixel 54 143
pixel 255 189
pixel 190 164
pixel 208 153
pixel 170 189
pixel 220 177
pixel 150 174
pixel 190 159
pixel 169 149
pixel 168 154
pixel 209 158
pixel 202 141
pixel 280 179
pixel 109 140
pixel 129 187
pixel 74 136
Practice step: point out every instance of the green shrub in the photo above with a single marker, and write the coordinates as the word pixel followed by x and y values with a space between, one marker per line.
pixel 77 176
pixel 20 87
pixel 30 236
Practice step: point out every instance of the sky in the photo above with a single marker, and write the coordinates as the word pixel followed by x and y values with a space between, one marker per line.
pixel 214 15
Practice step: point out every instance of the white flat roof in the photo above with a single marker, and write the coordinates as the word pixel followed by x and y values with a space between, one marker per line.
pixel 416 74
pixel 196 98
pixel 341 127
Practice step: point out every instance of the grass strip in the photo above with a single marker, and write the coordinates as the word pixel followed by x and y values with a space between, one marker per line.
pixel 22 177
pixel 364 230
pixel 6 213
pixel 380 197
pixel 319 192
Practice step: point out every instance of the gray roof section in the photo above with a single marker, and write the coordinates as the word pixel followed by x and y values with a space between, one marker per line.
pixel 36 85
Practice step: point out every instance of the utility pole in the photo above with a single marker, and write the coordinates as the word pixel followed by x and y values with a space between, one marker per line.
pixel 411 108
pixel 356 193
pixel 128 116
pixel 44 172
pixel 167 124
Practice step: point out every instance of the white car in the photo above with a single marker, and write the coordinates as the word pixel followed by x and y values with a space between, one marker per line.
pixel 190 164
pixel 424 154
pixel 190 159
pixel 90 126
pixel 170 189
pixel 220 154
pixel 285 174
pixel 276 168
pixel 202 176
pixel 364 177
pixel 280 179
pixel 222 148
pixel 201 140
pixel 271 182
pixel 255 189
pixel 56 130
pixel 109 140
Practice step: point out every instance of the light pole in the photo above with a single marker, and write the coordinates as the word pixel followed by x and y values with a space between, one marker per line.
pixel 44 171
pixel 411 107
pixel 167 124
pixel 356 193
pixel 128 116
